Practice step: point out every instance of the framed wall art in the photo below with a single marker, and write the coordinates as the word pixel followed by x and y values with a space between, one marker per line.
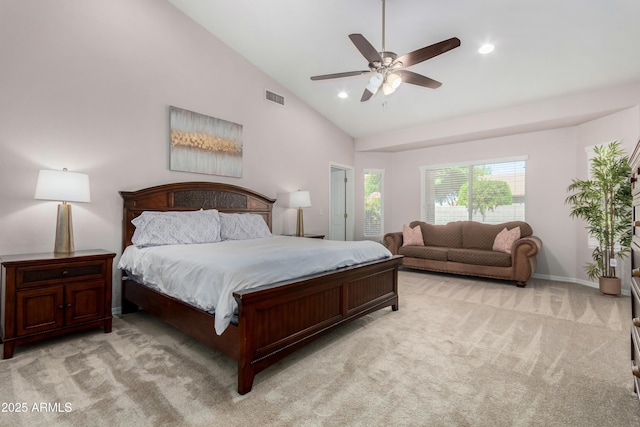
pixel 204 144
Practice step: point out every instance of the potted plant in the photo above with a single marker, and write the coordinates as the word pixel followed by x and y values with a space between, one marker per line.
pixel 604 202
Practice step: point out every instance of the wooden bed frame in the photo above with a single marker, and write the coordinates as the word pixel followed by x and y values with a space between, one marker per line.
pixel 274 319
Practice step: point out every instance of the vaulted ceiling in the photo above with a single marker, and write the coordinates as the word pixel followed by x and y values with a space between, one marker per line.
pixel 543 49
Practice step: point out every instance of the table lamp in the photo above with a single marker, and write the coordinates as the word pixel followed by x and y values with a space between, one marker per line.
pixel 299 199
pixel 63 186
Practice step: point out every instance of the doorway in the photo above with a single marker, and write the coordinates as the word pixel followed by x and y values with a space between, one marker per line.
pixel 341 211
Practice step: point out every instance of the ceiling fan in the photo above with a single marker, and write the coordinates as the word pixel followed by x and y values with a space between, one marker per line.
pixel 390 69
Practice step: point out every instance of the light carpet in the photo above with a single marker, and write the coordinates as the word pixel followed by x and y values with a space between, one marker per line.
pixel 459 352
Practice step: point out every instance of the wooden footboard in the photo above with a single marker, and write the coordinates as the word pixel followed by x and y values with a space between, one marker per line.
pixel 277 319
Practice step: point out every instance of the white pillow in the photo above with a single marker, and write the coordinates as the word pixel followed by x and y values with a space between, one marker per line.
pixel 505 239
pixel 412 236
pixel 243 227
pixel 176 228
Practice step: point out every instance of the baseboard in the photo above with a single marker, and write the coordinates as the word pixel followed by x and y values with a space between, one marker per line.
pixel 624 291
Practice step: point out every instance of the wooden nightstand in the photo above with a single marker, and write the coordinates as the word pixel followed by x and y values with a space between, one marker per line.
pixel 45 295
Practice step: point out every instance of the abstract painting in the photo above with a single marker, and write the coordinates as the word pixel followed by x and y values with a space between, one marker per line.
pixel 204 144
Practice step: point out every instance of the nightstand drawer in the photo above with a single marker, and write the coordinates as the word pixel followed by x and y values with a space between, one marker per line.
pixel 56 273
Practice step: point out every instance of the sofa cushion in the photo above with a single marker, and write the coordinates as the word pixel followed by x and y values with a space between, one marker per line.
pixel 424 252
pixel 476 235
pixel 479 257
pixel 448 236
pixel 411 236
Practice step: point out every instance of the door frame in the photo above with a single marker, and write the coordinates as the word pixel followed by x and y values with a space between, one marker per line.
pixel 349 199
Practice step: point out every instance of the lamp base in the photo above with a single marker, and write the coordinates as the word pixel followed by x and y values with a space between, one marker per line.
pixel 300 224
pixel 64 231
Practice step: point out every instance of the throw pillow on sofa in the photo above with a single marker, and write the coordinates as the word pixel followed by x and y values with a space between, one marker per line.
pixel 412 236
pixel 505 239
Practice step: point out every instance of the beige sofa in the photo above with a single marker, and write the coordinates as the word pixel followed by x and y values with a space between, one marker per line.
pixel 465 247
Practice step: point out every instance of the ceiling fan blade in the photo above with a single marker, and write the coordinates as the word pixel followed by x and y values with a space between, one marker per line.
pixel 366 95
pixel 428 52
pixel 366 49
pixel 337 75
pixel 418 79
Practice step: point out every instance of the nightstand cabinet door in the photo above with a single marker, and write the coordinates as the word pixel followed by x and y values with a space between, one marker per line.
pixel 83 302
pixel 39 310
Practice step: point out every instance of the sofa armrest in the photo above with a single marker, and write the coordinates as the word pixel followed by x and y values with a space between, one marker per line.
pixel 393 242
pixel 523 258
pixel 528 246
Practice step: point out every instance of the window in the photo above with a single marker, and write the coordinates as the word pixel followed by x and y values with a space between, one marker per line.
pixel 492 191
pixel 373 212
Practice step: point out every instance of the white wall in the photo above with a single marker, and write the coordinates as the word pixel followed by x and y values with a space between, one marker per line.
pixel 86 85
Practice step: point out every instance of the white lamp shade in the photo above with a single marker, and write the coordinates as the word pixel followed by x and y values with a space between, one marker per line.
pixel 376 80
pixel 387 89
pixel 372 89
pixel 394 80
pixel 62 186
pixel 299 199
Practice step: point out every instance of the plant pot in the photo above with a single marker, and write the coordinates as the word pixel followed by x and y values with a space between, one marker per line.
pixel 610 285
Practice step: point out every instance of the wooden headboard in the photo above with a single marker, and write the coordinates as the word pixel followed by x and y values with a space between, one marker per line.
pixel 189 196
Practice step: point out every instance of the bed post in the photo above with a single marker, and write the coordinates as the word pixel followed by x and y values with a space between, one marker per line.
pixel 246 370
pixel 246 374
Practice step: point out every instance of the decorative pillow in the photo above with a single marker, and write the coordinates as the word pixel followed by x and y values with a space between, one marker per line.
pixel 243 227
pixel 505 239
pixel 176 228
pixel 412 236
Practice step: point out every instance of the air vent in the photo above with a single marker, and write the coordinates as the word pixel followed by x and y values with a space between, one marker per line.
pixel 274 97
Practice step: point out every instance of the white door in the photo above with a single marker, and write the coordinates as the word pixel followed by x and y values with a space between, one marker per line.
pixel 338 229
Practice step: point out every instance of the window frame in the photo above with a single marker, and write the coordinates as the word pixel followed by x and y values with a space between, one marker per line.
pixel 470 164
pixel 364 221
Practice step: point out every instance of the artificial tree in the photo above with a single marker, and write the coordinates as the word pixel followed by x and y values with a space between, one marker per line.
pixel 604 203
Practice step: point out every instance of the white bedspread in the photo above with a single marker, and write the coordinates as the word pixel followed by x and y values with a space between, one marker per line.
pixel 206 275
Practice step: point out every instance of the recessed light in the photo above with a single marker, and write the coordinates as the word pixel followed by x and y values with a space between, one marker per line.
pixel 343 95
pixel 486 48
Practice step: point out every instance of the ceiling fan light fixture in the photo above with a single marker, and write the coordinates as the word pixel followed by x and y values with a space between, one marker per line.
pixel 394 80
pixel 376 80
pixel 387 89
pixel 371 88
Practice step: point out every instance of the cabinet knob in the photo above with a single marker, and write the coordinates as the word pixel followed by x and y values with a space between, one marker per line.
pixel 636 371
pixel 65 272
pixel 68 305
pixel 61 307
pixel 636 322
